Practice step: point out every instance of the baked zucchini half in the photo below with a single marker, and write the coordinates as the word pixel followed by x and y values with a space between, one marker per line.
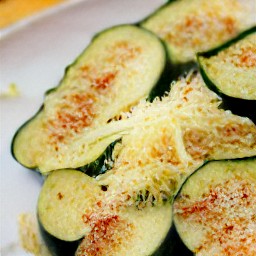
pixel 230 70
pixel 191 26
pixel 76 220
pixel 214 212
pixel 119 68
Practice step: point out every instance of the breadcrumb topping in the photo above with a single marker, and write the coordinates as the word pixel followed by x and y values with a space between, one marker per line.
pixel 108 233
pixel 241 54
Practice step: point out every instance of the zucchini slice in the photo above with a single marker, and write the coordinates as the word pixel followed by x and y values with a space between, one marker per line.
pixel 119 68
pixel 230 70
pixel 191 26
pixel 76 220
pixel 214 213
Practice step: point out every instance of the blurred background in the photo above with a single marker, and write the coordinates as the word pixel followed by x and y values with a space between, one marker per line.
pixel 12 11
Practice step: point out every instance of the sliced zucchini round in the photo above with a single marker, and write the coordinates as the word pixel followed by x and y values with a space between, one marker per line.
pixel 230 70
pixel 120 61
pixel 214 212
pixel 190 26
pixel 76 220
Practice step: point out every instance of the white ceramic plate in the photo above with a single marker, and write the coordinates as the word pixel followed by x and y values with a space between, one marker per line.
pixel 33 55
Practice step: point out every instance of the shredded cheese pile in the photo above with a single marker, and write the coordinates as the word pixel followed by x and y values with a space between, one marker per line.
pixel 170 139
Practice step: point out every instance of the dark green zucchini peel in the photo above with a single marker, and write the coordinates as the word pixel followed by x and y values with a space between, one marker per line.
pixel 191 26
pixel 230 70
pixel 214 212
pixel 75 124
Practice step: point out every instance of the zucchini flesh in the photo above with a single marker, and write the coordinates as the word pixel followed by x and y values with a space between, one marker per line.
pixel 214 213
pixel 120 61
pixel 73 215
pixel 188 27
pixel 230 71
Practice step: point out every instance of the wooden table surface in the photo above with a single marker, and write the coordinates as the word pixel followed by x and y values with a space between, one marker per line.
pixel 12 11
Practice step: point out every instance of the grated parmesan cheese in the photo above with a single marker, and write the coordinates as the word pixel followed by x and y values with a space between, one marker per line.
pixel 29 235
pixel 171 138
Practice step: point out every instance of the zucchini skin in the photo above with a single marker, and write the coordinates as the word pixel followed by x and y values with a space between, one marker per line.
pixel 102 164
pixel 238 106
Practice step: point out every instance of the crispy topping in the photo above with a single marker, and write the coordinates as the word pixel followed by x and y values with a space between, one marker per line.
pixel 78 110
pixel 227 214
pixel 108 233
pixel 73 115
pixel 104 82
pixel 244 58
pixel 60 195
pixel 98 82
pixel 198 143
pixel 241 54
pixel 122 52
pixel 196 30
pixel 163 149
pixel 153 156
pixel 201 145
